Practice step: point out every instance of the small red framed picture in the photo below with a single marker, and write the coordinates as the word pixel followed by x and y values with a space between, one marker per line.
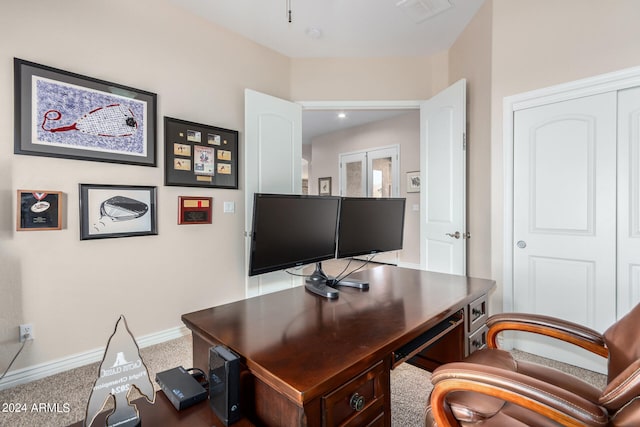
pixel 194 210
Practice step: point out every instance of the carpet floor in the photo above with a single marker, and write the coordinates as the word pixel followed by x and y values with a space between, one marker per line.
pixel 69 391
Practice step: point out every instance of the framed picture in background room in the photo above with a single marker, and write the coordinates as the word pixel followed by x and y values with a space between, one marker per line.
pixel 324 186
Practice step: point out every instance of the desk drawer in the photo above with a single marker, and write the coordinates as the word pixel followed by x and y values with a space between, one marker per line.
pixel 478 313
pixel 478 339
pixel 359 401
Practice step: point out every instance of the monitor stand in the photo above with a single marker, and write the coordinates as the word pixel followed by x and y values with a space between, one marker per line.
pixel 352 283
pixel 317 283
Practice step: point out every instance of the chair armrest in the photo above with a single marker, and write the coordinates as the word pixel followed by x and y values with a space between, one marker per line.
pixel 623 388
pixel 576 334
pixel 557 404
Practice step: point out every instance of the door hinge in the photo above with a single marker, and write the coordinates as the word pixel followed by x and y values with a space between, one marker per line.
pixel 464 141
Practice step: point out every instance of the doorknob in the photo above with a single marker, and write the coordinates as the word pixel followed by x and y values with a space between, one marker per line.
pixel 455 235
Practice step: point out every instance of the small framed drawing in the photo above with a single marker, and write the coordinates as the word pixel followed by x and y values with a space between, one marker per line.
pixel 194 210
pixel 108 211
pixel 413 182
pixel 198 155
pixel 39 210
pixel 63 114
pixel 324 186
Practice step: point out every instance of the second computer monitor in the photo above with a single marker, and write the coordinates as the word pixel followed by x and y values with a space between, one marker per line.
pixel 370 225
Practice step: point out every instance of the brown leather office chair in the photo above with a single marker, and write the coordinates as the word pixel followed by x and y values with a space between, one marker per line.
pixel 490 388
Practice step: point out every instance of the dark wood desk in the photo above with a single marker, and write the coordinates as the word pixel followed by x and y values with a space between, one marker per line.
pixel 305 358
pixel 162 413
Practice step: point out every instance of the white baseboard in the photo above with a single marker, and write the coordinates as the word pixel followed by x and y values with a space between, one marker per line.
pixel 36 372
pixel 409 265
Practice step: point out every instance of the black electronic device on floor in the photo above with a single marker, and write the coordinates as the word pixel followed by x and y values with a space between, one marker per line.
pixel 180 387
pixel 224 384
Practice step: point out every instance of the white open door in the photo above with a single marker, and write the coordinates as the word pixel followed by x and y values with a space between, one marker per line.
pixel 443 174
pixel 273 164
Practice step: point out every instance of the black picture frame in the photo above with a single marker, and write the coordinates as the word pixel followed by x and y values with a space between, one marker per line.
pixel 324 186
pixel 110 211
pixel 198 155
pixel 67 115
pixel 38 210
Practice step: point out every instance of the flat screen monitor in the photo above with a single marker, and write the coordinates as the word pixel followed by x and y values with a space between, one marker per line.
pixel 370 225
pixel 292 230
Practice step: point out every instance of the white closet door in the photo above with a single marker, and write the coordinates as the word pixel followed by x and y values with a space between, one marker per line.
pixel 628 200
pixel 564 256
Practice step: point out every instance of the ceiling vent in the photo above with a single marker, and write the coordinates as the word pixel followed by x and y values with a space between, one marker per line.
pixel 421 10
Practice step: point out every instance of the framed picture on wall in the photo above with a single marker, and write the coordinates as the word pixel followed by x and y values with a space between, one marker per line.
pixel 198 155
pixel 413 182
pixel 324 186
pixel 63 114
pixel 39 210
pixel 194 210
pixel 108 211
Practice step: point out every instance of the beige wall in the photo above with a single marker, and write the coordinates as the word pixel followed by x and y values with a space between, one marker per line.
pixel 403 130
pixel 73 291
pixel 356 79
pixel 539 43
pixel 470 58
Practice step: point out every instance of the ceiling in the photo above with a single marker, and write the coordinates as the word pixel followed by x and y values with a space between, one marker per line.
pixel 341 28
pixel 320 122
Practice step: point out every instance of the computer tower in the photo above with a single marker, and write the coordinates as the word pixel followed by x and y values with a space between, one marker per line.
pixel 224 384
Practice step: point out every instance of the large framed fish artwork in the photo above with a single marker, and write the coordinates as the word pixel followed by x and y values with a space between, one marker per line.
pixel 67 115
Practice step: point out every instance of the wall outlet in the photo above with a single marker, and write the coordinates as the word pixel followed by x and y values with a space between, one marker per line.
pixel 26 329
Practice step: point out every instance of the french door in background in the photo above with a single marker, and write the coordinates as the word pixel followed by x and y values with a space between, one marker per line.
pixel 372 173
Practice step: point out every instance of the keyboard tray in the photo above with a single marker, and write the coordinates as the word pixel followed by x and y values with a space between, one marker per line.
pixel 428 338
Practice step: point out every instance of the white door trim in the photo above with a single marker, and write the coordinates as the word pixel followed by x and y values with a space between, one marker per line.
pixel 360 105
pixel 617 80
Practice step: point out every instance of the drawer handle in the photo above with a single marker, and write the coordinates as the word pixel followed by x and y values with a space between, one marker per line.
pixel 477 312
pixel 357 402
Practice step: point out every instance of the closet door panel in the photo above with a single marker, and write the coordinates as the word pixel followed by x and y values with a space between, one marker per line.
pixel 564 259
pixel 628 199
